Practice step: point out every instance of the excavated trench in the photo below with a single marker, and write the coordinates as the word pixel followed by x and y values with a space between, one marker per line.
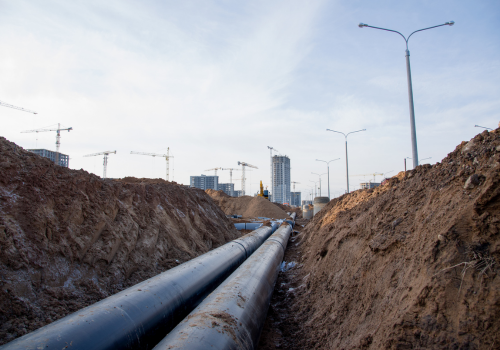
pixel 410 264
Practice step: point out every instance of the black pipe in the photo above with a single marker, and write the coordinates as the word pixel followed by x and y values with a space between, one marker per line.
pixel 140 316
pixel 233 315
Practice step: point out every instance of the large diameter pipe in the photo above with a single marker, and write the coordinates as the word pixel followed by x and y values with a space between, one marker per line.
pixel 232 316
pixel 140 316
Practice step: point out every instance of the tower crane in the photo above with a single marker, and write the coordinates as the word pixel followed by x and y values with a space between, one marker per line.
pixel 105 163
pixel 15 107
pixel 294 182
pixel 230 176
pixel 58 137
pixel 167 158
pixel 243 165
pixel 215 169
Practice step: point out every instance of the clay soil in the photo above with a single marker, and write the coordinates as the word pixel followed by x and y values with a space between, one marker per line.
pixel 69 238
pixel 413 264
pixel 248 207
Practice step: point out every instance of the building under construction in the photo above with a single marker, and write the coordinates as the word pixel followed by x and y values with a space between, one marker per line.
pixel 63 158
pixel 227 189
pixel 281 180
pixel 296 198
pixel 204 182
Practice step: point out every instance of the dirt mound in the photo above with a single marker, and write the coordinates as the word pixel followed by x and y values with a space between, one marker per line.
pixel 69 238
pixel 217 194
pixel 249 207
pixel 289 209
pixel 411 264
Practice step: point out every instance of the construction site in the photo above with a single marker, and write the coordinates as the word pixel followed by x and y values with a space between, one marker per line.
pixel 144 204
pixel 412 263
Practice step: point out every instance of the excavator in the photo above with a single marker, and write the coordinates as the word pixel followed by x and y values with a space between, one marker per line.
pixel 263 193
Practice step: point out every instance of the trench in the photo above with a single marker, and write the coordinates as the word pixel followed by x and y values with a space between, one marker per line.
pixel 141 316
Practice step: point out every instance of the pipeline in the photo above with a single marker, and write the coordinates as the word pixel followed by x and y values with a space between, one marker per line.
pixel 292 220
pixel 232 316
pixel 140 316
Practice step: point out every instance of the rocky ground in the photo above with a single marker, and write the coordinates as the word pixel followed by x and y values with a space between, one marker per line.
pixel 412 264
pixel 69 238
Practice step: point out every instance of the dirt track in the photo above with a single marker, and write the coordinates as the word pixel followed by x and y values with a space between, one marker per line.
pixel 69 238
pixel 411 264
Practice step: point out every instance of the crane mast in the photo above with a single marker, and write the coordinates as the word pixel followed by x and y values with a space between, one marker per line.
pixel 166 156
pixel 230 177
pixel 105 162
pixel 243 165
pixel 294 182
pixel 58 137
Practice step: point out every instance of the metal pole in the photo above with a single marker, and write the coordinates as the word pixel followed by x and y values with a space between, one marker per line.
pixel 412 113
pixel 346 165
pixel 328 167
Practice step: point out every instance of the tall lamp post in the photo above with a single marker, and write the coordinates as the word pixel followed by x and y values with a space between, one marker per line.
pixel 319 175
pixel 328 171
pixel 346 159
pixel 315 187
pixel 410 90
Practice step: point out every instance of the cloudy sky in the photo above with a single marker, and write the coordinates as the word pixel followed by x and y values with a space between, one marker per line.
pixel 219 81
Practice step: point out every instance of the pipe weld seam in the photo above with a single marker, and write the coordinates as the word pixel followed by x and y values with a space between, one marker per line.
pixel 275 240
pixel 245 249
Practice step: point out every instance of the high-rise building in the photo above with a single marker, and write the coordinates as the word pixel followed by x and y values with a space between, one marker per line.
pixel 63 158
pixel 227 188
pixel 296 198
pixel 281 179
pixel 204 182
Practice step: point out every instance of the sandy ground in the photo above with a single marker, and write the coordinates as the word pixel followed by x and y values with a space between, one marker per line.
pixel 248 207
pixel 410 265
pixel 69 238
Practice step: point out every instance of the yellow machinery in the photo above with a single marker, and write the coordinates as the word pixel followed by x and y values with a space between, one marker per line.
pixel 263 193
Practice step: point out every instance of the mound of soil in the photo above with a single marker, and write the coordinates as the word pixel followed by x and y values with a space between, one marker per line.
pixel 411 264
pixel 290 209
pixel 69 238
pixel 248 207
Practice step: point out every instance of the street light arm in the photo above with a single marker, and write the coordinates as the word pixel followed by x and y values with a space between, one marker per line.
pixel 352 132
pixel 336 132
pixel 361 25
pixel 440 25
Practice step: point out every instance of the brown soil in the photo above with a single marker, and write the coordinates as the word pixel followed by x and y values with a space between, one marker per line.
pixel 248 207
pixel 290 210
pixel 410 265
pixel 69 238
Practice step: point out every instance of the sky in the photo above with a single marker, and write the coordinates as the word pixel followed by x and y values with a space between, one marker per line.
pixel 217 82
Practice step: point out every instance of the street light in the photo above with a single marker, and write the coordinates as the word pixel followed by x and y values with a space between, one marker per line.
pixel 328 167
pixel 319 181
pixel 315 187
pixel 484 127
pixel 346 161
pixel 410 90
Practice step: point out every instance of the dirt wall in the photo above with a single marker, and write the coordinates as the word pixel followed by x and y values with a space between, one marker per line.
pixel 69 238
pixel 411 264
